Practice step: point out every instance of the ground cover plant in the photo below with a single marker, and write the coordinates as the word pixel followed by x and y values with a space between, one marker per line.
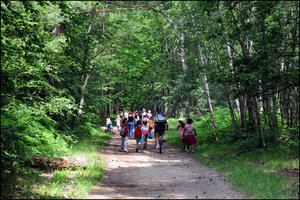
pixel 270 172
pixel 67 183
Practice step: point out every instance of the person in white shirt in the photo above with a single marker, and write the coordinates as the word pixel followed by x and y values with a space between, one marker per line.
pixel 149 114
pixel 108 122
pixel 126 115
pixel 144 112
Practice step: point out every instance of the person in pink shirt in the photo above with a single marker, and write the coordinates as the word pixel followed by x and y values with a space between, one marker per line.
pixel 181 126
pixel 190 131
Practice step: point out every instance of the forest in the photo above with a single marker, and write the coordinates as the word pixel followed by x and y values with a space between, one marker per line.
pixel 231 66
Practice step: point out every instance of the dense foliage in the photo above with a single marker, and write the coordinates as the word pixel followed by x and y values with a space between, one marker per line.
pixel 64 63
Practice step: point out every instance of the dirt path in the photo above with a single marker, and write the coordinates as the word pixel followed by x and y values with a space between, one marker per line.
pixel 173 174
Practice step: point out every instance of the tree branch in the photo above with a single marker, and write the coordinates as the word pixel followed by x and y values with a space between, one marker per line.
pixel 167 17
pixel 140 6
pixel 117 9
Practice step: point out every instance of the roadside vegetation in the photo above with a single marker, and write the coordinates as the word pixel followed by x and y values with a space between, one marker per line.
pixel 265 173
pixel 27 182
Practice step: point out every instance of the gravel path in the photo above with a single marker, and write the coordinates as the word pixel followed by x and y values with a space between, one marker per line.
pixel 173 174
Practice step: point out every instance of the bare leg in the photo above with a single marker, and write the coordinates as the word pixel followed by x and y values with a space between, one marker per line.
pixel 145 142
pixel 181 143
pixel 137 147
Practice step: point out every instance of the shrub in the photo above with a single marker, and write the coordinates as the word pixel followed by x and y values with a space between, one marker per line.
pixel 26 131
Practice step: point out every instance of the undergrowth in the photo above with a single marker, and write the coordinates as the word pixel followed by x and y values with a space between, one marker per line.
pixel 257 172
pixel 26 182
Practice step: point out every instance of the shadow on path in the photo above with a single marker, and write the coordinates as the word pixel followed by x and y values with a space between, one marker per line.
pixel 173 174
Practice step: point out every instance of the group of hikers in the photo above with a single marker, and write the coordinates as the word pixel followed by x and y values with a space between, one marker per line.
pixel 139 125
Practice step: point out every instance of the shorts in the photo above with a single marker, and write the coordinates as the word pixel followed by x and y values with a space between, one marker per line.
pixel 160 127
pixel 140 140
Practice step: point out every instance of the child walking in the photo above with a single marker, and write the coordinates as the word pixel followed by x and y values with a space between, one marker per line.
pixel 108 122
pixel 151 126
pixel 181 126
pixel 139 136
pixel 118 122
pixel 124 142
pixel 145 131
pixel 189 129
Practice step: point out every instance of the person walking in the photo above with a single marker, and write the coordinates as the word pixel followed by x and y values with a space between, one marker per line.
pixel 118 122
pixel 190 131
pixel 136 118
pixel 131 125
pixel 181 126
pixel 149 114
pixel 139 136
pixel 124 141
pixel 160 125
pixel 108 123
pixel 145 131
pixel 126 115
pixel 151 125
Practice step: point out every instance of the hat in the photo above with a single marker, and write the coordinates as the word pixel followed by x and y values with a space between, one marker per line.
pixel 180 119
pixel 149 111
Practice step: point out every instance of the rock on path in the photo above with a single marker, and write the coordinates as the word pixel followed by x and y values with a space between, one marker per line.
pixel 173 174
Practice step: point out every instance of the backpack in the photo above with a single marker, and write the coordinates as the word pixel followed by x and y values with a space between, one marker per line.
pixel 138 132
pixel 160 118
pixel 123 131
pixel 150 123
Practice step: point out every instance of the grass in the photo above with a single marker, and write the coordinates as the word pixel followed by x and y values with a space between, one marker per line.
pixel 256 173
pixel 60 184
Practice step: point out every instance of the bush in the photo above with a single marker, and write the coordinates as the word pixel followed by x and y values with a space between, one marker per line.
pixel 26 131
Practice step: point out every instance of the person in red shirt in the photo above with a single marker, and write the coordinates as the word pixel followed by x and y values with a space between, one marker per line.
pixel 124 142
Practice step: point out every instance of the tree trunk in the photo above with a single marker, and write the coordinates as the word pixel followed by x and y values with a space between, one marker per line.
pixel 204 61
pixel 166 109
pixel 182 56
pixel 251 123
pixel 59 162
pixel 85 75
pixel 231 109
pixel 297 107
pixel 274 116
pixel 281 108
pixel 257 121
pixel 238 108
pixel 187 110
pixel 80 111
pixel 184 67
pixel 243 116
